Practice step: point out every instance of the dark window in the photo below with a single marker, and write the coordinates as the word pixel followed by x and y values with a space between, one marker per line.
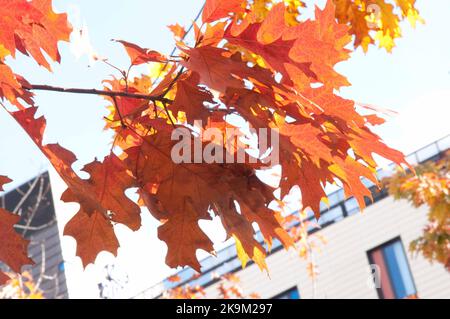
pixel 394 278
pixel 352 207
pixel 288 294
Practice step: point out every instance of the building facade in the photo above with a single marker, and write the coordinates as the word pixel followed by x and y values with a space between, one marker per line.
pixel 366 254
pixel 33 202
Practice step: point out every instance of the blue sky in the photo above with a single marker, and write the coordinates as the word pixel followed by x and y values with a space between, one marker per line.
pixel 414 80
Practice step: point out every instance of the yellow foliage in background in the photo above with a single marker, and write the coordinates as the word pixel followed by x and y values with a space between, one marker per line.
pixel 376 21
pixel 21 286
pixel 370 21
pixel 430 187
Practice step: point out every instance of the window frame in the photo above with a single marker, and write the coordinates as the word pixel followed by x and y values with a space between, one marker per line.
pixel 381 247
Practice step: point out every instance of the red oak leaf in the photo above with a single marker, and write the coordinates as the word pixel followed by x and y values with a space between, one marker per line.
pixel 13 250
pixel 218 9
pixel 140 55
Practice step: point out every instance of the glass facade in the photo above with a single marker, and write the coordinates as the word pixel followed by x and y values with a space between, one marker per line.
pixel 394 280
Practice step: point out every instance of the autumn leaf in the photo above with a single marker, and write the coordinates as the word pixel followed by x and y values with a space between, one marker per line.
pixel 178 31
pixel 429 187
pixel 139 55
pixel 4 180
pixel 275 54
pixel 308 138
pixel 217 9
pixel 104 192
pixel 310 39
pixel 350 171
pixel 273 26
pixel 32 26
pixel 181 194
pixel 3 278
pixel 310 179
pixel 11 87
pixel 174 278
pixel 283 47
pixel 360 144
pixel 190 98
pixel 260 61
pixel 217 72
pixel 94 233
pixel 380 16
pixel 13 251
pixel 374 119
pixel 220 70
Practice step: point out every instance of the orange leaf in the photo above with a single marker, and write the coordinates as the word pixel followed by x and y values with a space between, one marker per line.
pixel 177 30
pixel 140 55
pixel 312 46
pixel 11 87
pixel 218 9
pixel 32 26
pixel 350 171
pixel 273 25
pixel 220 70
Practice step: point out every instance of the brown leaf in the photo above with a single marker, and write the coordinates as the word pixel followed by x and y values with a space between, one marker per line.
pixel 180 195
pixel 102 193
pixel 191 99
pixel 94 233
pixel 4 180
pixel 3 278
pixel 13 250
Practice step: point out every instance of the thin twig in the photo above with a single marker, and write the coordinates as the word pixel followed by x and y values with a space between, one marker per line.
pixel 114 67
pixel 168 114
pixel 182 38
pixel 38 87
pixel 118 112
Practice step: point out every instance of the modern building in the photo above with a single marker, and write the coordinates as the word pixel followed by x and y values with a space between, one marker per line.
pixel 366 255
pixel 33 201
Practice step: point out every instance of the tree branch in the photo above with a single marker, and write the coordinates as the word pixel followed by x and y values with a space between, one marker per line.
pixel 38 87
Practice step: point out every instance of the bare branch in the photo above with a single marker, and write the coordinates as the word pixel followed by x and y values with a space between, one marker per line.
pixel 38 87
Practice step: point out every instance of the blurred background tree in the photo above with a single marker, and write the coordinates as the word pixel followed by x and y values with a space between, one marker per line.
pixel 429 187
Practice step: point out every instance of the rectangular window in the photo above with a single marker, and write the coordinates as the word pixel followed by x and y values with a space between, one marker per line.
pixel 288 294
pixel 393 275
pixel 352 207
